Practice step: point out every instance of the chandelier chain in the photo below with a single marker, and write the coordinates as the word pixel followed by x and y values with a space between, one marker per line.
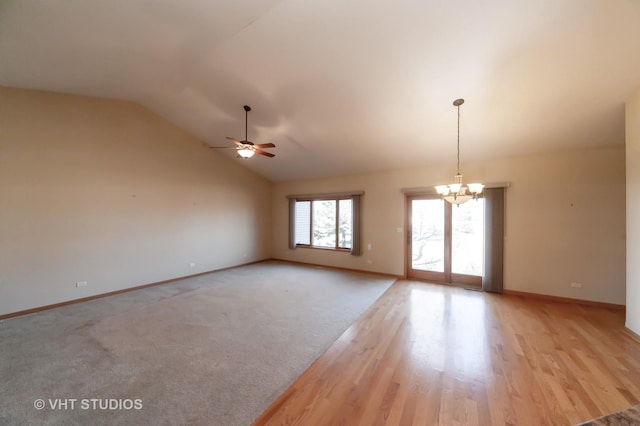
pixel 458 139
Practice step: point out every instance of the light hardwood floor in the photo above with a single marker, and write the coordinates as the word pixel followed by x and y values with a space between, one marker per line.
pixel 429 354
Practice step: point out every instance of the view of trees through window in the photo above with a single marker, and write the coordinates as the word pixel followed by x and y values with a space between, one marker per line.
pixel 428 235
pixel 345 225
pixel 467 236
pixel 324 223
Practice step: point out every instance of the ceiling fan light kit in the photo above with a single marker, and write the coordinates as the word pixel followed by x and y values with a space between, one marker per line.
pixel 456 193
pixel 247 149
pixel 246 153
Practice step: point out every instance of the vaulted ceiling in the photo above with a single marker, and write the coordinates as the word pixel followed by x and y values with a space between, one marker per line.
pixel 344 86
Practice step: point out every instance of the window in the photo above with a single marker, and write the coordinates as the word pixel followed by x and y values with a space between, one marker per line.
pixel 329 221
pixel 324 223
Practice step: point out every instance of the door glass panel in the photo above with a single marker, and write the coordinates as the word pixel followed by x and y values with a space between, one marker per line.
pixel 427 223
pixel 467 238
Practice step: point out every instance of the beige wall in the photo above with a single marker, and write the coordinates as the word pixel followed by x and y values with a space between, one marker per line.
pixel 633 211
pixel 565 215
pixel 106 192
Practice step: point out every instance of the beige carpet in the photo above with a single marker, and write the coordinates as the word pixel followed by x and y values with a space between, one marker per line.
pixel 215 349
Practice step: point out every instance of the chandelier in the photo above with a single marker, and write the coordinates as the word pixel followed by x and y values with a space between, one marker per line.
pixel 456 193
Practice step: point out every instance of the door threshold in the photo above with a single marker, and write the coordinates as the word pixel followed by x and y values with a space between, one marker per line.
pixel 464 286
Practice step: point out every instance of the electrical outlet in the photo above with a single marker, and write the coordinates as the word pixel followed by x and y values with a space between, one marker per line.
pixel 576 285
pixel 369 261
pixel 81 284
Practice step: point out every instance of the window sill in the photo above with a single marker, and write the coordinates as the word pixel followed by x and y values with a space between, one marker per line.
pixel 345 250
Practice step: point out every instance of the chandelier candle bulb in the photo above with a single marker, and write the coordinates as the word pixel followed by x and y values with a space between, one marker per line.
pixel 455 187
pixel 442 189
pixel 475 188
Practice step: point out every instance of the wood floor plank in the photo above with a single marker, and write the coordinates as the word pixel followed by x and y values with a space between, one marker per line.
pixel 429 354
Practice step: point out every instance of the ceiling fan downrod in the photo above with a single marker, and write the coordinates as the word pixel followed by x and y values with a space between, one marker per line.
pixel 247 108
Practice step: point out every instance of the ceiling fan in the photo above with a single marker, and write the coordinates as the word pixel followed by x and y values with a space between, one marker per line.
pixel 246 148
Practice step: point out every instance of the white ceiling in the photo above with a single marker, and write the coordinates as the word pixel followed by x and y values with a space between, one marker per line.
pixel 344 86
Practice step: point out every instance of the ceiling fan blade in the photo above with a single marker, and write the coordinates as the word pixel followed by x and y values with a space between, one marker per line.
pixel 264 145
pixel 236 141
pixel 265 153
pixel 224 147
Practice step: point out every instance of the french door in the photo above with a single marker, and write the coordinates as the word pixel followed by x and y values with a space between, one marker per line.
pixel 445 242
